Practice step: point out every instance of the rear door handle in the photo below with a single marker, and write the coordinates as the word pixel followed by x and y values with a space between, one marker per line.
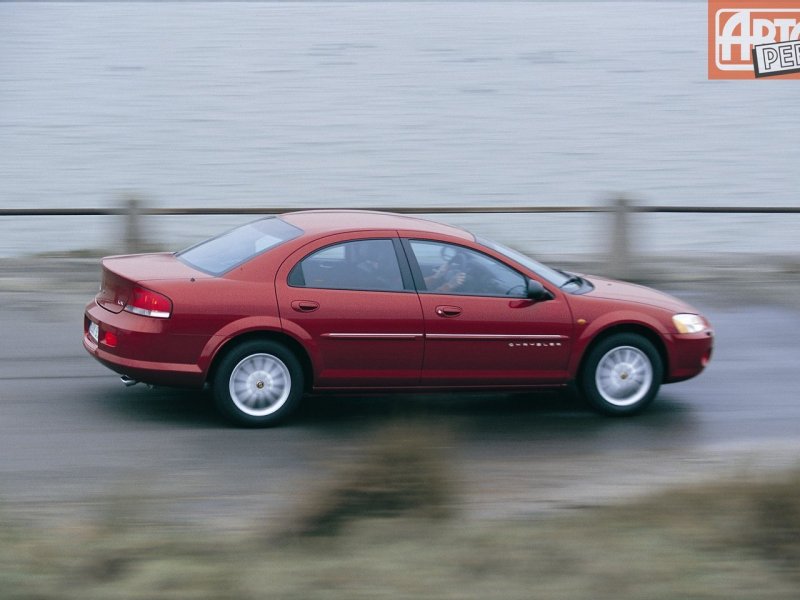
pixel 448 311
pixel 305 305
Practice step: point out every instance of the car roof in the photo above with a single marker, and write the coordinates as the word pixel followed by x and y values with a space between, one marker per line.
pixel 340 221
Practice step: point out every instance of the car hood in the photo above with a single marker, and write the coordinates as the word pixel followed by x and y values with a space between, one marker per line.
pixel 630 292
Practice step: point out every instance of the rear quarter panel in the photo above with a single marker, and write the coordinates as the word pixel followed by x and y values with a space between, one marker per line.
pixel 209 312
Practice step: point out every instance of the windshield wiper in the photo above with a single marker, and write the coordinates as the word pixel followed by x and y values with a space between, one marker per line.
pixel 571 278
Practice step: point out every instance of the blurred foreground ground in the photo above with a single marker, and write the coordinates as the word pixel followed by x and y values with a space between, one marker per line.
pixel 730 540
pixel 147 493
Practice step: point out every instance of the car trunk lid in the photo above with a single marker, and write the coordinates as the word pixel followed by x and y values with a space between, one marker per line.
pixel 122 273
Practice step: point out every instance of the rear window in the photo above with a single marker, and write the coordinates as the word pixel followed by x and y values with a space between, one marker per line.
pixel 232 248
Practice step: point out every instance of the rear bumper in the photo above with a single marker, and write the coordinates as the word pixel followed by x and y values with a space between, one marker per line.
pixel 144 351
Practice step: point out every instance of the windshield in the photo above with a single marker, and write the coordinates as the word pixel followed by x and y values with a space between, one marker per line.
pixel 223 252
pixel 555 277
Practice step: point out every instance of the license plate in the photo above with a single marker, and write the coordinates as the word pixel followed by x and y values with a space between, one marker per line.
pixel 94 331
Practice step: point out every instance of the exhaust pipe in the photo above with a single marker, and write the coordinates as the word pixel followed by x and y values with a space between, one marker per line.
pixel 127 381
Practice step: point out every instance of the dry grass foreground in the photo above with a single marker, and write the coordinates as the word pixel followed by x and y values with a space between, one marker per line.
pixel 387 526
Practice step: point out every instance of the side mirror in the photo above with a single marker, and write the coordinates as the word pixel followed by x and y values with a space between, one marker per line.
pixel 536 291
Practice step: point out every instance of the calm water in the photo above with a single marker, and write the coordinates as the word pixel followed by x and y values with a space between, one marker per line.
pixel 363 104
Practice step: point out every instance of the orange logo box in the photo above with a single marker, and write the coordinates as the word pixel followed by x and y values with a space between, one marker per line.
pixel 735 26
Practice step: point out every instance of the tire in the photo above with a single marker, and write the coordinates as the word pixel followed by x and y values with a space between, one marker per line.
pixel 621 374
pixel 258 384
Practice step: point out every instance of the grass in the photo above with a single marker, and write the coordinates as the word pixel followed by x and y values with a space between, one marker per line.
pixel 387 526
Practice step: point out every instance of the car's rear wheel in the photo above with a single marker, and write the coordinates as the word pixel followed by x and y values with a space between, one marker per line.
pixel 258 383
pixel 622 374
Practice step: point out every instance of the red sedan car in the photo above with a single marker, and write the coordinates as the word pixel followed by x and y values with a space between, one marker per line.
pixel 356 300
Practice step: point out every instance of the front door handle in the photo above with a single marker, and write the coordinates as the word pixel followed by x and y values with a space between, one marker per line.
pixel 305 305
pixel 448 311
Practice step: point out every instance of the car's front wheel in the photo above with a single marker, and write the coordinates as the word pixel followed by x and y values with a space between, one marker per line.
pixel 621 374
pixel 258 384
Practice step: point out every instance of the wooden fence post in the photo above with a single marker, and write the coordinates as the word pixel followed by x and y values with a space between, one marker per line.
pixel 134 240
pixel 619 260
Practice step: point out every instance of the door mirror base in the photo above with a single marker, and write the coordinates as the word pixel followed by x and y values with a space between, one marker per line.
pixel 537 292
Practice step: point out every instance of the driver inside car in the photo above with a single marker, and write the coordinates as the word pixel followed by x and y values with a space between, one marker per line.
pixel 447 278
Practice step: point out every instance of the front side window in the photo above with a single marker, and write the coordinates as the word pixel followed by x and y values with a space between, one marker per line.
pixel 356 265
pixel 555 277
pixel 451 269
pixel 220 254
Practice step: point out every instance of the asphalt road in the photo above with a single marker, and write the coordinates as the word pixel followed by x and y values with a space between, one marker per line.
pixel 71 436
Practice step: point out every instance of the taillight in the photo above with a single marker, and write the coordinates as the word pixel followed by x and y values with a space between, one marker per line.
pixel 149 303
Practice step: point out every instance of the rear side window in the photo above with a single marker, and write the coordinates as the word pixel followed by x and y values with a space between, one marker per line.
pixel 357 265
pixel 228 250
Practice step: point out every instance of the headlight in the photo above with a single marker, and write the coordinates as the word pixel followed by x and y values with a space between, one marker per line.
pixel 686 323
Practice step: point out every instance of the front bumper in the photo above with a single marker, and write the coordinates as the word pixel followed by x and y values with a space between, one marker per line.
pixel 689 354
